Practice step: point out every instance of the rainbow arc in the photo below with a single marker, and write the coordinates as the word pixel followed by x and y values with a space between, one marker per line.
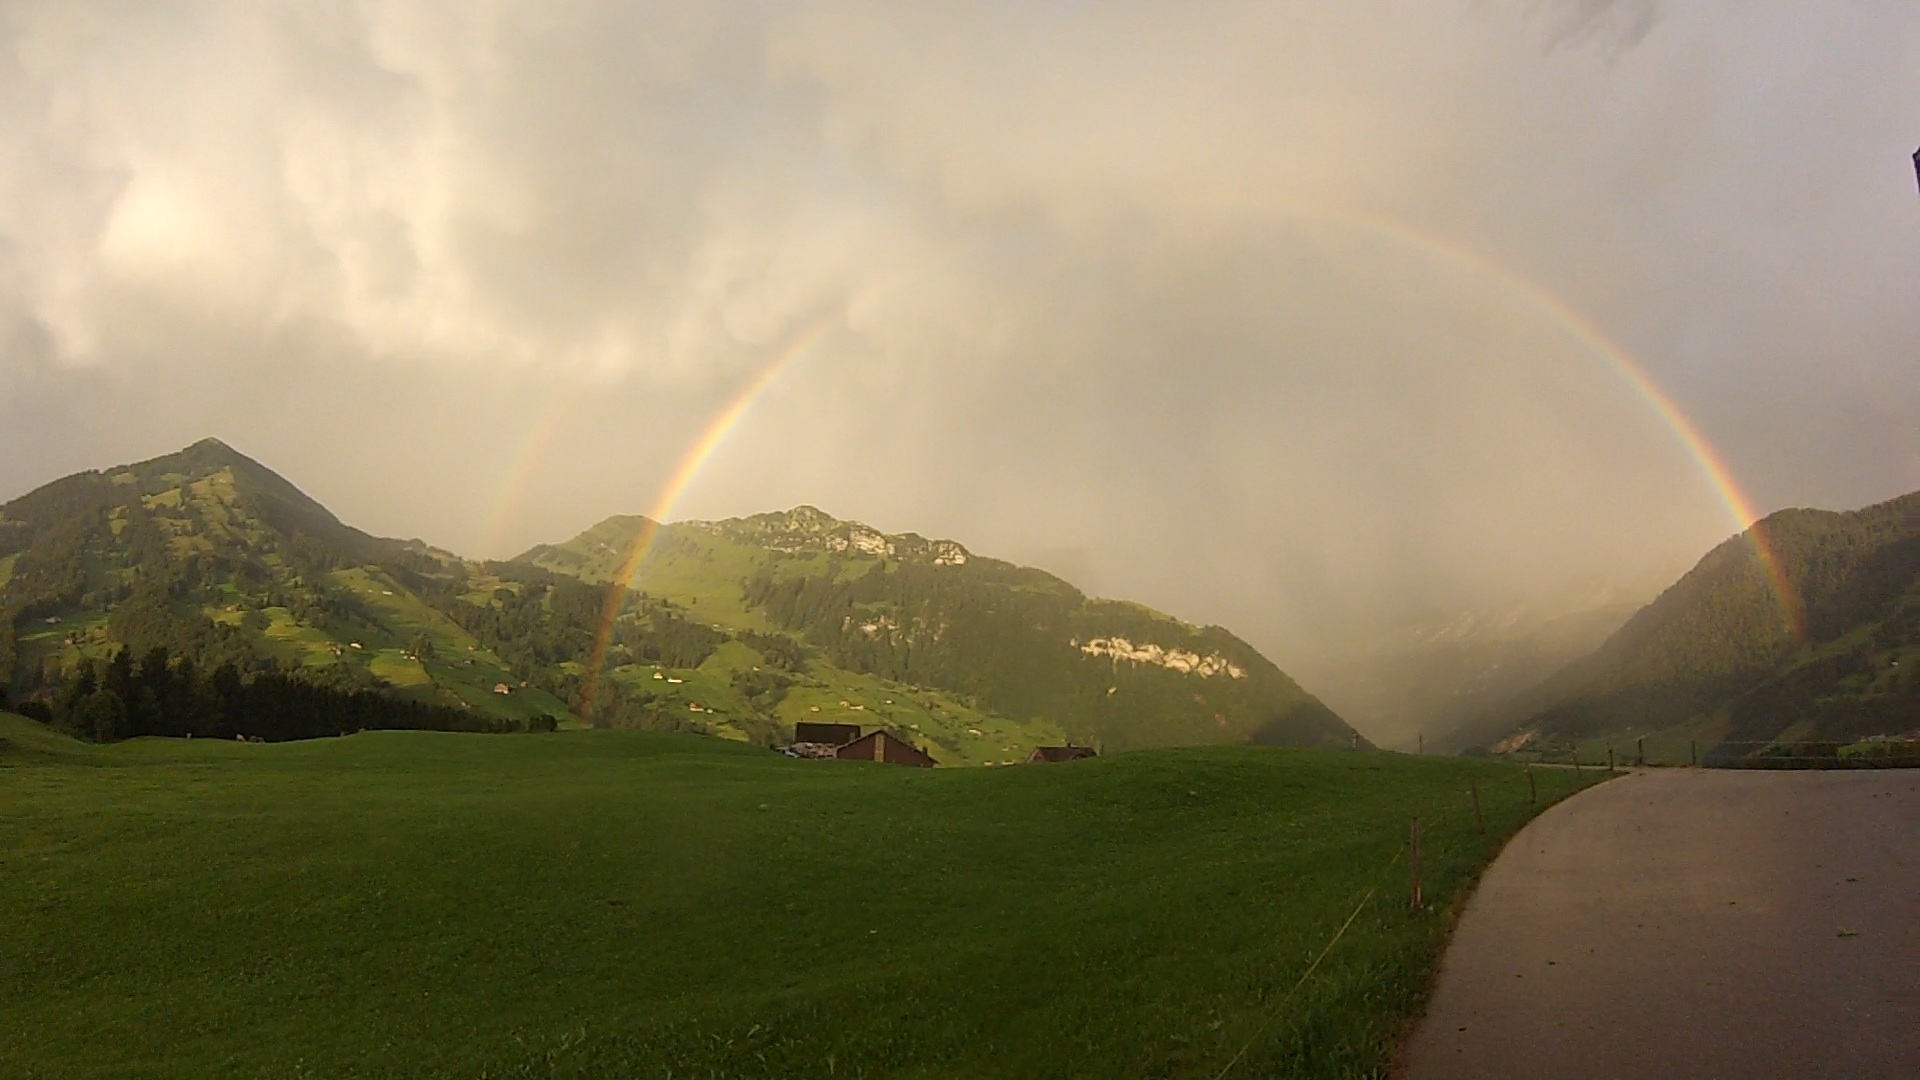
pixel 804 340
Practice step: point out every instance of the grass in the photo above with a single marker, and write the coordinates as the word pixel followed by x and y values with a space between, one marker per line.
pixel 954 732
pixel 613 904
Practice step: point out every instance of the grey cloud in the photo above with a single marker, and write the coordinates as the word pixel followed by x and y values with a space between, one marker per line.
pixel 1618 25
pixel 1239 307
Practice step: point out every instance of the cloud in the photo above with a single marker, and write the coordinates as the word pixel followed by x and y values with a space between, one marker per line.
pixel 1240 304
pixel 1618 25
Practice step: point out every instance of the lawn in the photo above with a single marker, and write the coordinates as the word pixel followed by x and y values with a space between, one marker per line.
pixel 614 904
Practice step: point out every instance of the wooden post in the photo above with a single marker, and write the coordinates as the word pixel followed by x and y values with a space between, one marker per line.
pixel 1640 751
pixel 1420 745
pixel 1413 860
pixel 1576 760
pixel 1533 793
pixel 1609 759
pixel 1479 825
pixel 1693 753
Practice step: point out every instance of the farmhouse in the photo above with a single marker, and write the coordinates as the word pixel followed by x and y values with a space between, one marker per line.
pixel 881 746
pixel 1060 753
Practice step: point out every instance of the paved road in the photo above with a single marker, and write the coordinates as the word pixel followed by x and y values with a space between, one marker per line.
pixel 1692 924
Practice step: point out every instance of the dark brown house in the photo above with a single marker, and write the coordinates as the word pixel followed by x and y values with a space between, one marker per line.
pixel 830 734
pixel 881 746
pixel 1060 753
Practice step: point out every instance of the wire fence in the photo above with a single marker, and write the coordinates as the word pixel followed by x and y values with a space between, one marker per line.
pixel 1667 751
pixel 1866 754
pixel 1434 829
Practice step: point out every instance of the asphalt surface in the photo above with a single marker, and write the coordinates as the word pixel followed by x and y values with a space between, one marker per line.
pixel 1692 923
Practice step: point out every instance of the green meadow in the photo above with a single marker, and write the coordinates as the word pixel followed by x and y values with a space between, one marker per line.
pixel 616 904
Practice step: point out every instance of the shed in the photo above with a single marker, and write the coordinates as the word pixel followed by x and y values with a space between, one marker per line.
pixel 1060 753
pixel 830 734
pixel 891 749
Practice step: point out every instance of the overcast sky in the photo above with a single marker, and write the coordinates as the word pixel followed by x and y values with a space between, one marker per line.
pixel 1238 309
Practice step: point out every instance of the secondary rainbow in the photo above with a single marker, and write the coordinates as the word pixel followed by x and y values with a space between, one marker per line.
pixel 533 446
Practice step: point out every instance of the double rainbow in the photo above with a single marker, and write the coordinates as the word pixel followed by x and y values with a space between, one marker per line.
pixel 1740 508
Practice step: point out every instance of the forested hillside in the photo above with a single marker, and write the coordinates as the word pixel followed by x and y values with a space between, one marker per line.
pixel 1719 649
pixel 201 593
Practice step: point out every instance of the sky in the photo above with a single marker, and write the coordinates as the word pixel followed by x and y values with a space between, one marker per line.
pixel 1300 318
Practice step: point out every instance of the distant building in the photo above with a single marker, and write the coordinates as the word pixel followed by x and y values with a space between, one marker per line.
pixel 1060 753
pixel 502 688
pixel 830 734
pixel 881 746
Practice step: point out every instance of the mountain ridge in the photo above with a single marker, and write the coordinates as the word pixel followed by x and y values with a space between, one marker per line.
pixel 902 607
pixel 213 558
pixel 1716 653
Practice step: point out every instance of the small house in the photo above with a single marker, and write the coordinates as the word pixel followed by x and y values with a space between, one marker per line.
pixel 891 749
pixel 1060 753
pixel 502 688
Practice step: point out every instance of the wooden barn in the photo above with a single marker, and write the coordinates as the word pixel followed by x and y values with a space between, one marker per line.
pixel 1060 753
pixel 881 746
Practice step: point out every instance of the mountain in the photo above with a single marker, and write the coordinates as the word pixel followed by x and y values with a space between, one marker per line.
pixel 130 598
pixel 1017 642
pixel 1720 654
pixel 1433 681
pixel 217 560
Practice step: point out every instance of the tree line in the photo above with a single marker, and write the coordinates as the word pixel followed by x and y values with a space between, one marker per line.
pixel 169 696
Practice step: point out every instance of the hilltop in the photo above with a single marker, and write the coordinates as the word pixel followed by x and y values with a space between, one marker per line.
pixel 208 562
pixel 1016 642
pixel 1717 654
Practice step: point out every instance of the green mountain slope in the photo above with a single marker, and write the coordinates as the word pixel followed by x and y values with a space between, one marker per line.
pixel 1016 644
pixel 216 559
pixel 206 562
pixel 1715 653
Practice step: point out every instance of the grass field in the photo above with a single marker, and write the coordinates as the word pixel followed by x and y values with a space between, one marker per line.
pixel 613 904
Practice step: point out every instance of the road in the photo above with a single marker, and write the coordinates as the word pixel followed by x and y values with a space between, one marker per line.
pixel 1692 923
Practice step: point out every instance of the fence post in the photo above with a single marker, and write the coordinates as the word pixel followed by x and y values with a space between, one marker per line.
pixel 1609 759
pixel 1576 761
pixel 1640 751
pixel 1533 793
pixel 1693 753
pixel 1414 862
pixel 1479 825
pixel 1420 745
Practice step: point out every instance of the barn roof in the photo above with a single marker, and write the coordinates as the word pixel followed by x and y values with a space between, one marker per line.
pixel 1061 753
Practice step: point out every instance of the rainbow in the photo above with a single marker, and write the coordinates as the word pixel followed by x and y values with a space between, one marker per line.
pixel 533 447
pixel 702 448
pixel 1578 326
pixel 1739 506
